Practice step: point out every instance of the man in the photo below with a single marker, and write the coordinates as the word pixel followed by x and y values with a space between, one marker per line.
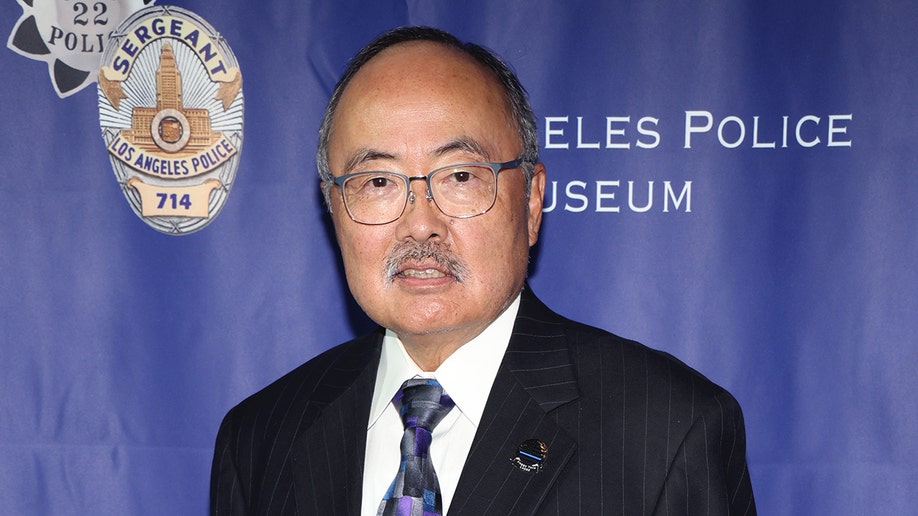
pixel 429 160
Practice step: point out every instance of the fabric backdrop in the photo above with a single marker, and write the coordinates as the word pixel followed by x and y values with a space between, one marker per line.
pixel 732 182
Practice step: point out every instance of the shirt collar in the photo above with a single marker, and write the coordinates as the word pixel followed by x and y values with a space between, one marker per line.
pixel 467 374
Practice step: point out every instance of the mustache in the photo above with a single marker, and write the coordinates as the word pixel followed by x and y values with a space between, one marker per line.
pixel 407 252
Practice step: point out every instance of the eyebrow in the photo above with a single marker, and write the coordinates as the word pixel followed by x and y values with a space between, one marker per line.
pixel 462 143
pixel 364 155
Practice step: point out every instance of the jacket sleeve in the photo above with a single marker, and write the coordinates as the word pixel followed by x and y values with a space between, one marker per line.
pixel 708 473
pixel 227 496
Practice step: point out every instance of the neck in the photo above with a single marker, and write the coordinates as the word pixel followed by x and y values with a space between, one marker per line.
pixel 429 351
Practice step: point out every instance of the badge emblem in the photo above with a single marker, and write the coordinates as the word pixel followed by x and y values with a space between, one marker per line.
pixel 531 455
pixel 70 36
pixel 170 107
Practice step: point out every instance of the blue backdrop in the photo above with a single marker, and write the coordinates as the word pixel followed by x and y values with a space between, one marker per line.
pixel 732 182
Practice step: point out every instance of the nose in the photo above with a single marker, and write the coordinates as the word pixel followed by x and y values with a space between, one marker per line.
pixel 422 219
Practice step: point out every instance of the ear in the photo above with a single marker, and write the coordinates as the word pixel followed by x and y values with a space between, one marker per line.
pixel 536 197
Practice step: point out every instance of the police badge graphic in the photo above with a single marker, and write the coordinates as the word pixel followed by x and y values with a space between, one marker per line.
pixel 170 107
pixel 68 35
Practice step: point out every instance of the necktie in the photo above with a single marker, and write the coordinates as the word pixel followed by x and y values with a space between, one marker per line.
pixel 415 490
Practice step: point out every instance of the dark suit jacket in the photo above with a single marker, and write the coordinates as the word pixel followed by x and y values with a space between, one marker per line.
pixel 629 431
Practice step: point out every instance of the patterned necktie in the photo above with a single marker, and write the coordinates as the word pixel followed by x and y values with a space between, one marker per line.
pixel 415 490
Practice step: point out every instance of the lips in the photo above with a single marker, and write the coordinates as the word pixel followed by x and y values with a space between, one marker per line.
pixel 424 261
pixel 421 273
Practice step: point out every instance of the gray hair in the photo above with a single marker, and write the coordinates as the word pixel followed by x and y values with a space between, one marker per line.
pixel 517 99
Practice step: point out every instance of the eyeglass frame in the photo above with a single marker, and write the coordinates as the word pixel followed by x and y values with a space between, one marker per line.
pixel 496 168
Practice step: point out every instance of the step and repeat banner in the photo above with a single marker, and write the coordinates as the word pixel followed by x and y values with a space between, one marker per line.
pixel 735 183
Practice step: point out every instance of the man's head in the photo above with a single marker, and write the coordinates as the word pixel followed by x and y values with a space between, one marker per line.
pixel 413 101
pixel 516 96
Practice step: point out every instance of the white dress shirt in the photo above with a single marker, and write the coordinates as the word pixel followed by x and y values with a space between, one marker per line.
pixel 466 375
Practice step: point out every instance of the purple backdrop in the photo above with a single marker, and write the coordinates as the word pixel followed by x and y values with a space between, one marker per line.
pixel 732 182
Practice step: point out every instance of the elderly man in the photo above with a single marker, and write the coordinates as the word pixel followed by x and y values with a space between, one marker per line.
pixel 472 397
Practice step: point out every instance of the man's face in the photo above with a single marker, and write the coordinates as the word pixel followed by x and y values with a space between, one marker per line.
pixel 413 108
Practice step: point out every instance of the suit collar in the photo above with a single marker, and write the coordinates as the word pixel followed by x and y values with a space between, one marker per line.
pixel 539 355
pixel 535 378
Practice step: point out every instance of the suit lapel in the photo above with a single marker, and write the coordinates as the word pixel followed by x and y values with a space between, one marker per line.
pixel 328 456
pixel 535 377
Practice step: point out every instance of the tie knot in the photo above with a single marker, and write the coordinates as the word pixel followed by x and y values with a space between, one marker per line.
pixel 422 403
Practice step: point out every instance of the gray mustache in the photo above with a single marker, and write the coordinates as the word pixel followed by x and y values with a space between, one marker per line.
pixel 407 252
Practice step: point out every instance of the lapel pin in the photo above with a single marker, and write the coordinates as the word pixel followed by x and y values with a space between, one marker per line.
pixel 531 455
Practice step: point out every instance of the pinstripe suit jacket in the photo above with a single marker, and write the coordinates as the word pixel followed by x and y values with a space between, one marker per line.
pixel 629 431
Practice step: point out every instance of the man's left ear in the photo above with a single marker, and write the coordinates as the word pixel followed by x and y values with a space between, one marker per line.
pixel 536 197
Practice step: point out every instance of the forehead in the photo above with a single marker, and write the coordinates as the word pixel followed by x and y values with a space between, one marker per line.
pixel 419 89
pixel 437 58
pixel 419 62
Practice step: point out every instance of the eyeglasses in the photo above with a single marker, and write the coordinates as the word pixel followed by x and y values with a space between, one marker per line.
pixel 462 191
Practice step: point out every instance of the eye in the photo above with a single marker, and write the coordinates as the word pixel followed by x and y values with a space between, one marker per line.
pixel 372 183
pixel 376 182
pixel 463 178
pixel 460 176
pixel 379 182
pixel 467 174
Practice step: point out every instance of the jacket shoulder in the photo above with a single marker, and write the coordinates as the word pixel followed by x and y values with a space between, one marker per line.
pixel 681 435
pixel 257 436
pixel 607 360
pixel 312 385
